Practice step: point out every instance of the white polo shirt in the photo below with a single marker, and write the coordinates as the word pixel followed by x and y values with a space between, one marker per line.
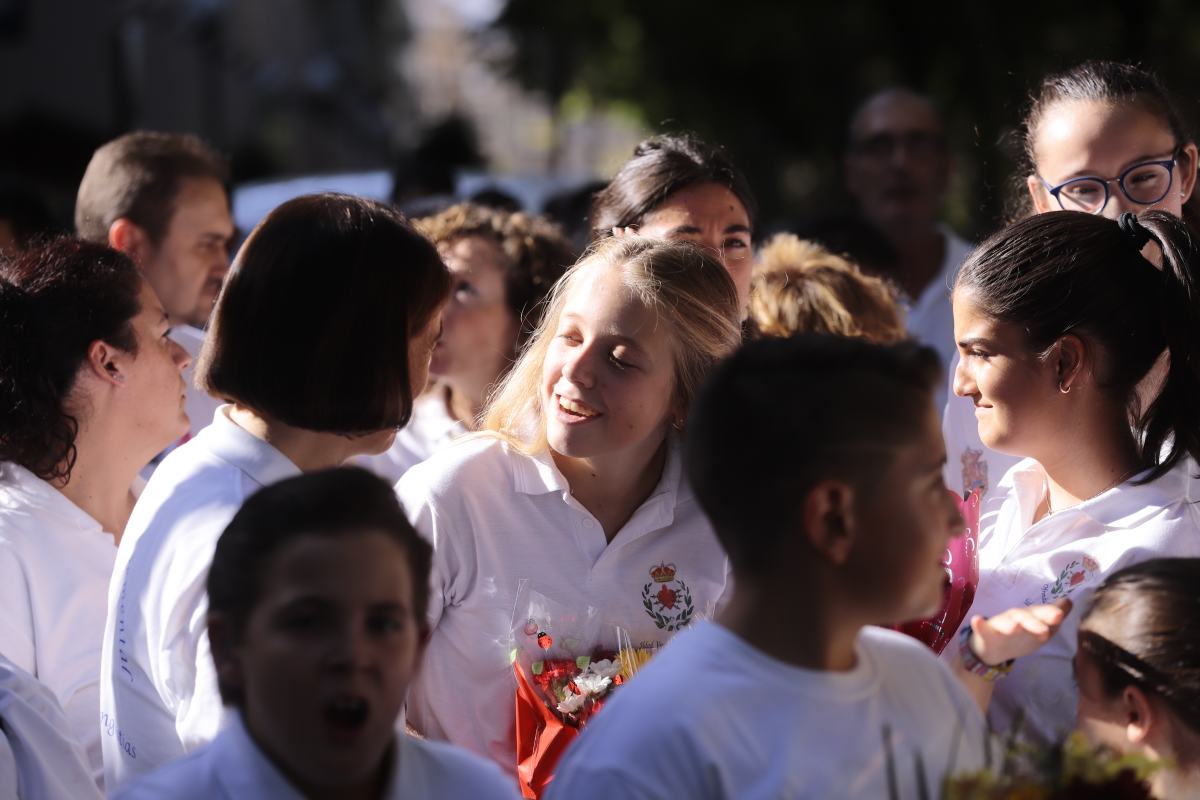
pixel 714 718
pixel 55 562
pixel 40 758
pixel 430 429
pixel 158 688
pixel 1067 554
pixel 234 768
pixel 497 517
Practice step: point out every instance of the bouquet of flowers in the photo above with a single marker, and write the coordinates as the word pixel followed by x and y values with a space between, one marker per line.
pixel 962 576
pixel 1072 769
pixel 563 676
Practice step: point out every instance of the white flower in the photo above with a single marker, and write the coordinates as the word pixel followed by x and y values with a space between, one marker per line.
pixel 573 703
pixel 590 684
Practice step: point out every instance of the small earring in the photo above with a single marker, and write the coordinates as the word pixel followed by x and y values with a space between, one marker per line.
pixel 1061 389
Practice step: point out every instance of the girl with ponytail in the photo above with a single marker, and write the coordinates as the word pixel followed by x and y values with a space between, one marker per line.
pixel 91 389
pixel 1058 318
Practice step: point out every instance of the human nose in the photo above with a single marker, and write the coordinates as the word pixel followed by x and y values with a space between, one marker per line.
pixel 181 357
pixel 1118 204
pixel 577 367
pixel 964 381
pixel 350 647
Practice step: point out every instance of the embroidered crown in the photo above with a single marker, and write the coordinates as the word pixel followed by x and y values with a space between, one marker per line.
pixel 663 573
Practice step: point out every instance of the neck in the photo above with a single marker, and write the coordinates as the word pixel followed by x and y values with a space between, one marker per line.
pixel 103 474
pixel 1175 782
pixel 1090 464
pixel 919 257
pixel 308 450
pixel 464 403
pixel 612 488
pixel 370 787
pixel 824 642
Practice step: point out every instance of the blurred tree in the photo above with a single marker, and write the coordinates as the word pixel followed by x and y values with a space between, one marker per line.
pixel 776 82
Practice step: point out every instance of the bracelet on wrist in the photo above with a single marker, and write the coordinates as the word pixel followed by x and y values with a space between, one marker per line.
pixel 976 666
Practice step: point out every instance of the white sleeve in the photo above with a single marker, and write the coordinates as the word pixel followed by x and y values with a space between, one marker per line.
pixel 199 713
pixel 447 575
pixel 16 620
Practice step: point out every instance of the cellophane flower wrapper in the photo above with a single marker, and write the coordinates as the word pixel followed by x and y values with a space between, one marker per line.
pixel 961 562
pixel 564 672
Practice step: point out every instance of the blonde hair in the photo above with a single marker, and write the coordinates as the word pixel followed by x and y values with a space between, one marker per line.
pixel 800 287
pixel 683 284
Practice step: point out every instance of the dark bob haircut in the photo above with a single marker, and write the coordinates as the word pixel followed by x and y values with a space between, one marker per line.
pixel 750 457
pixel 313 324
pixel 56 300
pixel 660 167
pixel 334 503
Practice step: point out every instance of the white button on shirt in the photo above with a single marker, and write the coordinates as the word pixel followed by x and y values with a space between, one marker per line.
pixel 158 688
pixel 55 563
pixel 234 768
pixel 497 517
pixel 1067 554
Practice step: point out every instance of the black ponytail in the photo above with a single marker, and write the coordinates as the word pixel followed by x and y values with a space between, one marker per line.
pixel 55 301
pixel 1172 420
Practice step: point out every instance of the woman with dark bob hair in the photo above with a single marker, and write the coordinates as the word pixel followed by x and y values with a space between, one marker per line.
pixel 91 389
pixel 679 187
pixel 318 342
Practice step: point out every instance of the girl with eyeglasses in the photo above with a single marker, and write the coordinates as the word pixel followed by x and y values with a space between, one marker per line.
pixel 1102 138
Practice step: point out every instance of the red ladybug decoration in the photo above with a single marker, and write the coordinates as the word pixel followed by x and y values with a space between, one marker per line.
pixel 544 640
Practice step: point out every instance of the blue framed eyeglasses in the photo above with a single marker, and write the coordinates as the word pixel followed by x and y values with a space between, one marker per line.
pixel 1145 184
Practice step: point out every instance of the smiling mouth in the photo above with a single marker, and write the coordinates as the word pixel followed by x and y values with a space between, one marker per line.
pixel 575 408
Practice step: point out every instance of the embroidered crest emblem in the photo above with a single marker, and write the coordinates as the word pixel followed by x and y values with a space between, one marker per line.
pixel 974 472
pixel 1072 576
pixel 666 599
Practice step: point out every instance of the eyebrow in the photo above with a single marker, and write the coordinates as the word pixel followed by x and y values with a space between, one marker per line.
pixel 683 230
pixel 1133 162
pixel 971 341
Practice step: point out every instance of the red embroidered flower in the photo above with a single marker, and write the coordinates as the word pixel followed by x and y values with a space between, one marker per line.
pixel 666 596
pixel 1077 578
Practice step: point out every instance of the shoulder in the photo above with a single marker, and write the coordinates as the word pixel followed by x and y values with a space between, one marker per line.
pixel 188 778
pixel 477 461
pixel 910 671
pixel 443 770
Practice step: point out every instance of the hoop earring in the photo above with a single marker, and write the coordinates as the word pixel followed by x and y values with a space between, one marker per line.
pixel 1061 389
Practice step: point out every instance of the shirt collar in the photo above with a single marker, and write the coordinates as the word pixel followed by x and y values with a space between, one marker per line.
pixel 1124 506
pixel 29 492
pixel 538 474
pixel 236 446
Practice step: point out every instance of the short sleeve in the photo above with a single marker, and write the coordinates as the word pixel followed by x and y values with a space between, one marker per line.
pixel 16 621
pixel 436 528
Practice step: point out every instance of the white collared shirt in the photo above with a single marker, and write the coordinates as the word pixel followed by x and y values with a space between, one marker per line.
pixel 55 563
pixel 1067 554
pixel 430 429
pixel 158 688
pixel 497 517
pixel 40 757
pixel 233 767
pixel 930 318
pixel 713 718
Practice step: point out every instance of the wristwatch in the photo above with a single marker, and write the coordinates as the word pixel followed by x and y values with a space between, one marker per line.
pixel 972 663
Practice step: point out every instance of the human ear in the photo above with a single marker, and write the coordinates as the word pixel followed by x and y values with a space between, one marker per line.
pixel 1139 715
pixel 1039 195
pixel 1186 164
pixel 106 362
pixel 1069 361
pixel 130 238
pixel 224 652
pixel 829 521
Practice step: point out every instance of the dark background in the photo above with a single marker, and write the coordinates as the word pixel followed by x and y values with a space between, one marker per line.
pixel 302 86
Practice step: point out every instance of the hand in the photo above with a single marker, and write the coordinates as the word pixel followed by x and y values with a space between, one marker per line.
pixel 1017 632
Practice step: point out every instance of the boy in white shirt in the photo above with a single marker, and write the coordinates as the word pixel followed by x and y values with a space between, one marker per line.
pixel 829 499
pixel 316 617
